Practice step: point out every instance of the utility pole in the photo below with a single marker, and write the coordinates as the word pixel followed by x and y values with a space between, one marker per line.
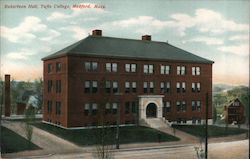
pixel 206 127
pixel 117 127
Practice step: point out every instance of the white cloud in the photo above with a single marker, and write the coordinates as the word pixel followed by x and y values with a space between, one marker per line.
pixel 23 54
pixel 77 12
pixel 57 15
pixel 24 32
pixel 78 32
pixel 208 21
pixel 208 40
pixel 51 35
pixel 26 53
pixel 239 37
pixel 204 20
pixel 242 49
pixel 141 24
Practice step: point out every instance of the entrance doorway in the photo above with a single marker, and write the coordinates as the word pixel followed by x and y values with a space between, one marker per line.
pixel 151 110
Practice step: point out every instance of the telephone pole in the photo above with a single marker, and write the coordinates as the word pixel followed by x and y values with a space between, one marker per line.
pixel 206 127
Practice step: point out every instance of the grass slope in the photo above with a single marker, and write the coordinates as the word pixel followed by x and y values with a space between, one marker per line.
pixel 12 142
pixel 131 134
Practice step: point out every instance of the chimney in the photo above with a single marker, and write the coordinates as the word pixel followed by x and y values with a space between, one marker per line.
pixel 7 95
pixel 97 32
pixel 146 37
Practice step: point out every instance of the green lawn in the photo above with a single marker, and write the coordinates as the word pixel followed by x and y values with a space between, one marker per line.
pixel 213 131
pixel 130 134
pixel 12 142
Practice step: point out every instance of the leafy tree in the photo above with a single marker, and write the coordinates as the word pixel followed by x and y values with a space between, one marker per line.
pixel 29 118
pixel 214 114
pixel 39 92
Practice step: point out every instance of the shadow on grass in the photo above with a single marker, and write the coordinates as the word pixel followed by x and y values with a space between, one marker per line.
pixel 128 134
pixel 213 131
pixel 12 142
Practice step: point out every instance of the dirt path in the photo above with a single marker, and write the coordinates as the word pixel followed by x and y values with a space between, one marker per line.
pixel 49 143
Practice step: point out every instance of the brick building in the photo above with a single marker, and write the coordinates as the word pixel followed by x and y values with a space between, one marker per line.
pixel 234 112
pixel 137 79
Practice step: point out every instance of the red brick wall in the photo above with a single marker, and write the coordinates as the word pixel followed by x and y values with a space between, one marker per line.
pixel 74 97
pixel 53 96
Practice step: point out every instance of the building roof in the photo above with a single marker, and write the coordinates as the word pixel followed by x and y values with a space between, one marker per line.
pixel 127 48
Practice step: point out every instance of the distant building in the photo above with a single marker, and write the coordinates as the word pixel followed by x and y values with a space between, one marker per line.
pixel 142 78
pixel 234 112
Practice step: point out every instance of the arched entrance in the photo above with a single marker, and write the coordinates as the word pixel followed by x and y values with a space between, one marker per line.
pixel 151 110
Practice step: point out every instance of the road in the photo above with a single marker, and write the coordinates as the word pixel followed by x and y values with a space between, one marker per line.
pixel 224 150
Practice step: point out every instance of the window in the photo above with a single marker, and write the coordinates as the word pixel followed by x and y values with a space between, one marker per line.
pixel 50 68
pixel 134 107
pixel 108 87
pixel 165 69
pixel 86 109
pixel 87 86
pixel 181 87
pixel 196 87
pixel 196 71
pixel 130 67
pixel 94 66
pixel 115 87
pixel 58 86
pixel 111 86
pixel 168 106
pixel 94 109
pixel 148 69
pixel 130 86
pixel 91 86
pixel 148 87
pixel 181 106
pixel 58 67
pixel 165 87
pixel 127 87
pixel 196 106
pixel 107 108
pixel 94 87
pixel 181 70
pixel 58 108
pixel 50 86
pixel 111 67
pixel 145 87
pixel 193 106
pixel 151 86
pixel 114 108
pixel 178 87
pixel 49 103
pixel 178 106
pixel 134 87
pixel 236 103
pixel 91 66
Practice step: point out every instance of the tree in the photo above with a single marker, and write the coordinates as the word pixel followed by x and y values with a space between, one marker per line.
pixel 29 118
pixel 39 92
pixel 104 135
pixel 214 114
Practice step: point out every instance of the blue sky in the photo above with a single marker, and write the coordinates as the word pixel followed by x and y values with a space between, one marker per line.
pixel 217 30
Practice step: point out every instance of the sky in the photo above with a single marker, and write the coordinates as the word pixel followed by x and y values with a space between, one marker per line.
pixel 216 30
